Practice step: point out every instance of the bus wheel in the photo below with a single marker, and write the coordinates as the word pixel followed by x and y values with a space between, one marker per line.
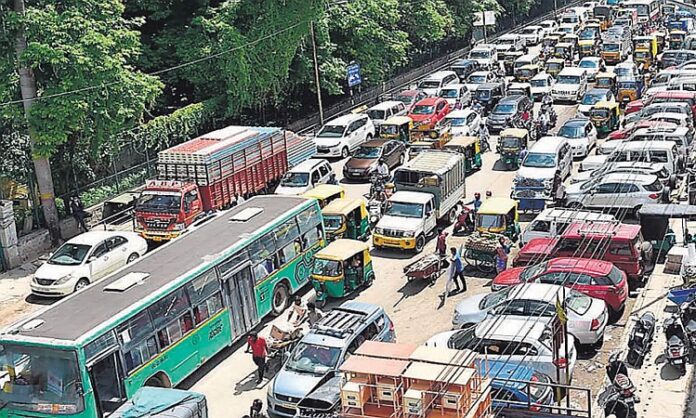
pixel 280 299
pixel 157 381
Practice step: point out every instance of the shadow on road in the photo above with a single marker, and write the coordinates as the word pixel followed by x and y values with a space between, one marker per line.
pixel 413 287
pixel 249 383
pixel 499 165
pixel 38 300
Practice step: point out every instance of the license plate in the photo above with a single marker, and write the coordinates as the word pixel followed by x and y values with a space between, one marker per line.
pixel 640 335
pixel 157 238
pixel 678 361
pixel 391 241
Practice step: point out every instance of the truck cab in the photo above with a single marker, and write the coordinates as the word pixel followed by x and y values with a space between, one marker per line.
pixel 408 219
pixel 165 208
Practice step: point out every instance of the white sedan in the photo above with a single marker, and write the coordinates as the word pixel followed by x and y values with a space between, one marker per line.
pixel 85 259
pixel 592 66
pixel 462 122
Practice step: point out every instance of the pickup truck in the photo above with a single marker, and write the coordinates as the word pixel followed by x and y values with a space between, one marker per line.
pixel 428 189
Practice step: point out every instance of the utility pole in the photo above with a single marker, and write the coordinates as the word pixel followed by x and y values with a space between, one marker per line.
pixel 316 72
pixel 485 36
pixel 42 166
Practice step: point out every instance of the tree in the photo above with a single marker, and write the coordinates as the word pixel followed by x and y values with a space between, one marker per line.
pixel 427 22
pixel 80 46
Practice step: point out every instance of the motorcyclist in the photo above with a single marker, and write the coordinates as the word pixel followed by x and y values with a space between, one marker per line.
pixel 483 137
pixel 547 100
pixel 382 169
pixel 476 107
pixel 543 123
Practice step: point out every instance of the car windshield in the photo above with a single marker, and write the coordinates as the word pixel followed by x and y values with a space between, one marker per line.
pixel 477 79
pixel 495 298
pixel 34 377
pixel 429 84
pixel 389 129
pixel 611 47
pixel 376 114
pixel 455 121
pixel 333 222
pixel 587 34
pixel 504 108
pixel 479 54
pixel 370 153
pixel 404 209
pixel 578 302
pixel 539 160
pixel 295 180
pixel 572 131
pixel 449 93
pixel 588 64
pixel 600 113
pixel 405 99
pixel 592 98
pixel 156 201
pixel 331 131
pixel 568 79
pixel 329 268
pixel 483 94
pixel 542 82
pixel 69 254
pixel 626 85
pixel 622 71
pixel 314 359
pixel 533 271
pixel 484 221
pixel 423 110
pixel 640 54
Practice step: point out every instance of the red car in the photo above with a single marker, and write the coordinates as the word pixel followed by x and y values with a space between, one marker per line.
pixel 428 112
pixel 625 133
pixel 664 97
pixel 596 278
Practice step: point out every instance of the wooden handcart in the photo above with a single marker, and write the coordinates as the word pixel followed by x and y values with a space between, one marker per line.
pixel 480 250
pixel 425 268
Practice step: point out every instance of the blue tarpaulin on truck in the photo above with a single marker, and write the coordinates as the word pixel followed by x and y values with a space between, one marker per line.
pixel 160 402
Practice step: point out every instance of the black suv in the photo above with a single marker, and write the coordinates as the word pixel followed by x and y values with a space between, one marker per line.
pixel 488 94
pixel 463 68
pixel 507 112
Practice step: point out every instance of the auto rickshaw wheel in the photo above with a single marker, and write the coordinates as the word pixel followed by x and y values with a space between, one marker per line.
pixel 369 280
pixel 420 243
pixel 280 299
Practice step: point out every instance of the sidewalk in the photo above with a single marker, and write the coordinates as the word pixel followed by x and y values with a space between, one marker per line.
pixel 663 392
pixel 15 292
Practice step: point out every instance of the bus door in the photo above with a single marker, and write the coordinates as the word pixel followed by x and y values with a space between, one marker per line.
pixel 107 376
pixel 239 291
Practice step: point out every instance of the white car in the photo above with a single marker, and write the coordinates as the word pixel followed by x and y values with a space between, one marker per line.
pixel 571 85
pixel 85 259
pixel 592 66
pixel 666 107
pixel 509 42
pixel 637 167
pixel 549 26
pixel 532 35
pixel 678 119
pixel 581 135
pixel 457 95
pixel 594 96
pixel 587 316
pixel 515 339
pixel 542 84
pixel 616 190
pixel 305 176
pixel 385 110
pixel 477 78
pixel 463 122
pixel 341 136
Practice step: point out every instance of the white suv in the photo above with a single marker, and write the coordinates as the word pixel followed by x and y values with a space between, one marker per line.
pixel 343 135
pixel 616 190
pixel 516 340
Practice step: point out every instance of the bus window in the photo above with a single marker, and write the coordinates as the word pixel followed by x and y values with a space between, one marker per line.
pixel 262 253
pixel 136 338
pixel 233 263
pixel 287 237
pixel 171 318
pixel 204 294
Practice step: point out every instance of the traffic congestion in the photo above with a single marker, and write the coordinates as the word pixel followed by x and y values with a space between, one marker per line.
pixel 473 245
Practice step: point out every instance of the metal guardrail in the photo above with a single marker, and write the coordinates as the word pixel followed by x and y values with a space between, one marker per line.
pixel 399 82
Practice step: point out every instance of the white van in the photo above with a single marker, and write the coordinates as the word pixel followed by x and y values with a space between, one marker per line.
pixel 552 222
pixel 571 85
pixel 485 55
pixel 432 84
pixel 305 176
pixel 383 111
pixel 528 59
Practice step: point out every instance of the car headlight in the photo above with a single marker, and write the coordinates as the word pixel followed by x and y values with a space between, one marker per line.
pixel 64 279
pixel 409 234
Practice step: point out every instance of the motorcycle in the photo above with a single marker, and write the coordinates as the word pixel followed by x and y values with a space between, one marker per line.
pixel 614 404
pixel 619 397
pixel 677 349
pixel 377 185
pixel 375 210
pixel 640 340
pixel 542 129
pixel 465 222
pixel 688 320
pixel 553 117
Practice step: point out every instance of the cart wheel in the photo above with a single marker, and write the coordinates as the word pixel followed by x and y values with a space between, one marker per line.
pixel 486 264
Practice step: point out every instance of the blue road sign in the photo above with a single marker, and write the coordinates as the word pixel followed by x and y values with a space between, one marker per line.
pixel 354 77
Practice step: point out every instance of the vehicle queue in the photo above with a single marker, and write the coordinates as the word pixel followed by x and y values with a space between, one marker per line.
pixel 602 57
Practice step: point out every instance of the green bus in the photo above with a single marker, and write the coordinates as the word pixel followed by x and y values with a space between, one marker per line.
pixel 156 321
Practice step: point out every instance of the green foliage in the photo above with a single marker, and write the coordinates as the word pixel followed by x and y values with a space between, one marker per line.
pixel 427 22
pixel 112 188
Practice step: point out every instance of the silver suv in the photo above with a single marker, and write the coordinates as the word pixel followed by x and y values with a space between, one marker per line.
pixel 617 190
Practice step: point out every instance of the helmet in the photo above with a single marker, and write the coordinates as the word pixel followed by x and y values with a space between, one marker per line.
pixel 381 161
pixel 488 193
pixel 477 195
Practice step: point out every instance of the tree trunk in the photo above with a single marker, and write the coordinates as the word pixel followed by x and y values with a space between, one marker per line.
pixel 42 166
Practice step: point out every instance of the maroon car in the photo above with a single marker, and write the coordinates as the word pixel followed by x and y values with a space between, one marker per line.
pixel 363 161
pixel 410 97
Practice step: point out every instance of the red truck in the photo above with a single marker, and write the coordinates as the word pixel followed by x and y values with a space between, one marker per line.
pixel 206 173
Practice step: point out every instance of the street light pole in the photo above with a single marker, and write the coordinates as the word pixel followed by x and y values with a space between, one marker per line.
pixel 316 72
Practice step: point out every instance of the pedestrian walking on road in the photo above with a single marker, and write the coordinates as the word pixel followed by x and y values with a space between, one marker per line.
pixel 78 212
pixel 441 247
pixel 257 347
pixel 457 270
pixel 501 255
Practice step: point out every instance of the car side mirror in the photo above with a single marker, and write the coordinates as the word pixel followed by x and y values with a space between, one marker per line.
pixel 91 258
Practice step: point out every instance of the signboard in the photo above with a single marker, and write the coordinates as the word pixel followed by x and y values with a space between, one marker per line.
pixel 354 77
pixel 489 18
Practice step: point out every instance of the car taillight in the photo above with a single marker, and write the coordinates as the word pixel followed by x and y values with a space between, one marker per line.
pixel 391 326
pixel 653 195
pixel 676 352
pixel 594 326
pixel 561 363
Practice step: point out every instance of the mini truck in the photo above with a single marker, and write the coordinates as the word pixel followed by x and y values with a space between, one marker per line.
pixel 206 173
pixel 428 189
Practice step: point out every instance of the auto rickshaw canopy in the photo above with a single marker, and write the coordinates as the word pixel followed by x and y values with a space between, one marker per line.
pixel 344 206
pixel 497 206
pixel 462 141
pixel 398 120
pixel 611 106
pixel 343 249
pixel 515 133
pixel 325 193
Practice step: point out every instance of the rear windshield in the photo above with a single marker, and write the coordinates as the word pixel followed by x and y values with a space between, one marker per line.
pixel 654 187
pixel 578 302
pixel 615 275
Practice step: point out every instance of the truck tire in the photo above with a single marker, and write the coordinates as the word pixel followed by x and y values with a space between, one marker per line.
pixel 420 243
pixel 452 216
pixel 280 299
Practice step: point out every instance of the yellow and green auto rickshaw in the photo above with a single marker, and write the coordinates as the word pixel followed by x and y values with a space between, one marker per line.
pixel 499 215
pixel 629 90
pixel 397 127
pixel 661 38
pixel 346 218
pixel 587 48
pixel 676 38
pixel 325 193
pixel 340 268
pixel 554 66
pixel 470 147
pixel 606 80
pixel 510 145
pixel 526 73
pixel 564 51
pixel 605 117
pixel 572 39
pixel 644 58
pixel 509 58
pixel 645 42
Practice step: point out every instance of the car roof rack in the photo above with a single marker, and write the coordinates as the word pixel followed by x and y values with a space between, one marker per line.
pixel 339 323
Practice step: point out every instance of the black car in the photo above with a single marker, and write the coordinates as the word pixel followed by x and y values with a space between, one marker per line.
pixel 507 111
pixel 464 67
pixel 489 94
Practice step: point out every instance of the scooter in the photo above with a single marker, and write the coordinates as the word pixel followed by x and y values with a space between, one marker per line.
pixel 375 210
pixel 465 222
pixel 677 349
pixel 688 320
pixel 619 397
pixel 640 341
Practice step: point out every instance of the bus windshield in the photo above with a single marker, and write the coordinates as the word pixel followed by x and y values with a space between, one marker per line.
pixel 40 380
